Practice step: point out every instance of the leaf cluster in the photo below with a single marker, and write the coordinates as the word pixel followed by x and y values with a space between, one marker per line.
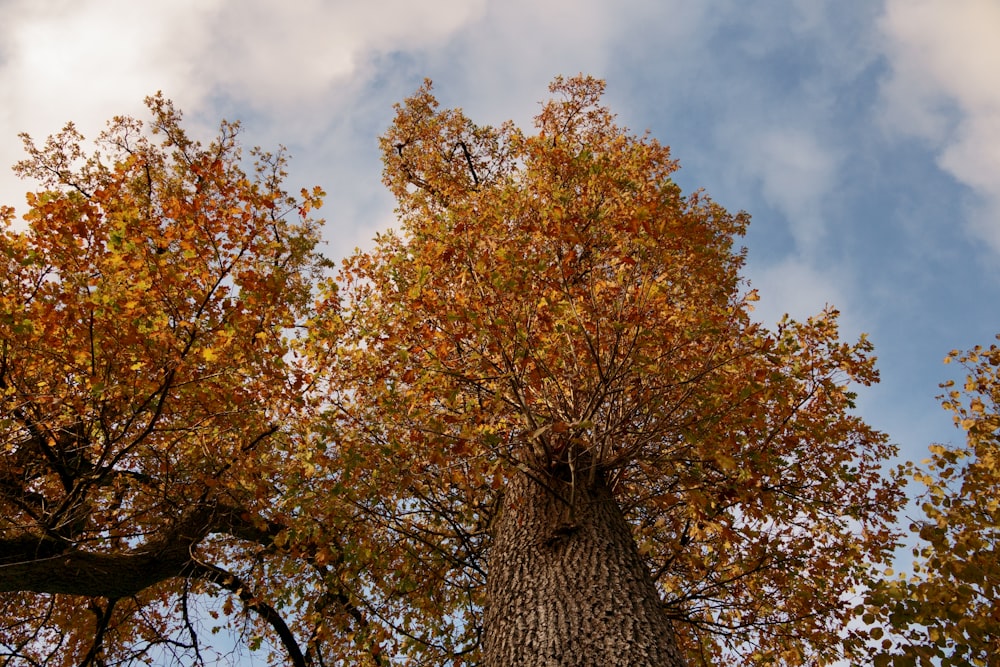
pixel 947 612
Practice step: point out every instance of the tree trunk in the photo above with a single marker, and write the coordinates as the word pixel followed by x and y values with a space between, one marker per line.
pixel 568 588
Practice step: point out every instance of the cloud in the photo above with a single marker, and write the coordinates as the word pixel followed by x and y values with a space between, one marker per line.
pixel 89 60
pixel 72 59
pixel 761 105
pixel 85 62
pixel 279 55
pixel 801 290
pixel 944 57
pixel 502 62
pixel 796 172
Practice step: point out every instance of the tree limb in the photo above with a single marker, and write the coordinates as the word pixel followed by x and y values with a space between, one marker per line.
pixel 43 564
pixel 269 614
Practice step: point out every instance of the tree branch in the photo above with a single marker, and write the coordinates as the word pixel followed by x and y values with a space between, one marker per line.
pixel 44 564
pixel 269 614
pixel 103 620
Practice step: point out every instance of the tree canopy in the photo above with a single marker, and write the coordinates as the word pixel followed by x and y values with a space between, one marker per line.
pixel 947 611
pixel 206 425
pixel 553 301
pixel 150 400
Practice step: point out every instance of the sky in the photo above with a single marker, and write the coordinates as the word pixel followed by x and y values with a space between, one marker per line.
pixel 863 136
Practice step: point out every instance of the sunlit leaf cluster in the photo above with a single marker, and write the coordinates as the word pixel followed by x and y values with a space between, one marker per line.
pixel 946 612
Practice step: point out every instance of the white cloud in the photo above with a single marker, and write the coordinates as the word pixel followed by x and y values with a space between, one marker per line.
pixel 945 59
pixel 64 57
pixel 277 55
pixel 86 62
pixel 801 290
pixel 89 60
pixel 504 60
pixel 796 172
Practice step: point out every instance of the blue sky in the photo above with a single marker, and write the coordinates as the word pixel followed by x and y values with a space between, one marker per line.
pixel 863 136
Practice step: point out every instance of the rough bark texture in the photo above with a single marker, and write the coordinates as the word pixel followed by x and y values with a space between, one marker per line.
pixel 569 589
pixel 42 564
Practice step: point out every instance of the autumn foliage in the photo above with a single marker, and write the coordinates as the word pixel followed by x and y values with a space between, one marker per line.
pixel 947 611
pixel 554 306
pixel 149 399
pixel 204 427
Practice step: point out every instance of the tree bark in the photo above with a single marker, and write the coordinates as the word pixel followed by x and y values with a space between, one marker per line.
pixel 89 574
pixel 567 588
pixel 42 564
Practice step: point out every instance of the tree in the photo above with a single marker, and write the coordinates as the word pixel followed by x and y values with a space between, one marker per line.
pixel 577 447
pixel 948 611
pixel 152 406
pixel 537 426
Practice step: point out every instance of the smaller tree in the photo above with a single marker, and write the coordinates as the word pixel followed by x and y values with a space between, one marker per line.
pixel 151 405
pixel 948 611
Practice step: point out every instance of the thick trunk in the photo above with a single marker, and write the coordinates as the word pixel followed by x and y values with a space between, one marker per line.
pixel 568 589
